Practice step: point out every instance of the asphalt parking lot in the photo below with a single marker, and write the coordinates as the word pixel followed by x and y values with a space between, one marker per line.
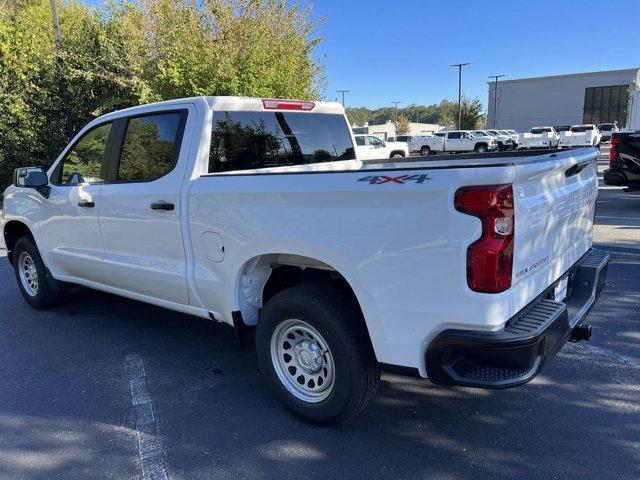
pixel 105 387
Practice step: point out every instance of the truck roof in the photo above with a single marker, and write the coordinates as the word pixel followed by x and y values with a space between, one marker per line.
pixel 231 103
pixel 260 104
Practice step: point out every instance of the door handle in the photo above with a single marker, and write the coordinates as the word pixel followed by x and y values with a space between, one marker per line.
pixel 86 204
pixel 162 206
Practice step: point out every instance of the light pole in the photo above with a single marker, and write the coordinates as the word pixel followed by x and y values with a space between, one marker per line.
pixel 342 92
pixel 459 65
pixel 495 98
pixel 396 103
pixel 62 85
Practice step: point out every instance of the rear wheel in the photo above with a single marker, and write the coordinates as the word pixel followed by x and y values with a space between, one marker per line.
pixel 397 155
pixel 31 275
pixel 315 354
pixel 425 150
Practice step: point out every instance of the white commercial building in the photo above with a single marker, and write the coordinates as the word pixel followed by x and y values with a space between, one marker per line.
pixel 387 130
pixel 594 97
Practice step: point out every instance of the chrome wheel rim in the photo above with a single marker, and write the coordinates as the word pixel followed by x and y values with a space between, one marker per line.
pixel 302 360
pixel 28 274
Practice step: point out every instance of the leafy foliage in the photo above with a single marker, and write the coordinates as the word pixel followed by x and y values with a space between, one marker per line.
pixel 471 115
pixel 402 125
pixel 133 52
pixel 438 114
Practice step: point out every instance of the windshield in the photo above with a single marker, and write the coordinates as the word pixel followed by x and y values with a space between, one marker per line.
pixel 504 132
pixel 538 131
pixel 606 126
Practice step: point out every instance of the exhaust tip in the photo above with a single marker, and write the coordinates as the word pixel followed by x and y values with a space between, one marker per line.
pixel 581 332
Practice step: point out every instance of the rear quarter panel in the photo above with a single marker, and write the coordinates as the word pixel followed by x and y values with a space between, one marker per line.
pixel 401 245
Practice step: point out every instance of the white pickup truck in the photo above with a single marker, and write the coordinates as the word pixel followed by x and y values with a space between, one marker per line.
pixel 539 137
pixel 370 146
pixel 608 129
pixel 466 270
pixel 453 141
pixel 505 142
pixel 586 135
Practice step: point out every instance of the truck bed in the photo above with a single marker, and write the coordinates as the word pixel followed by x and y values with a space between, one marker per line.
pixel 472 159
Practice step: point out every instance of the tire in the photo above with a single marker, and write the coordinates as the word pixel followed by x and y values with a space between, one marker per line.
pixel 31 275
pixel 480 148
pixel 327 318
pixel 397 155
pixel 425 151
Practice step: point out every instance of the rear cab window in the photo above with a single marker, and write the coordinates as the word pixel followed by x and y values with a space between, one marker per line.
pixel 247 140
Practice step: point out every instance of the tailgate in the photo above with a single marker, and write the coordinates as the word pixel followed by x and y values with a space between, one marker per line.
pixel 554 211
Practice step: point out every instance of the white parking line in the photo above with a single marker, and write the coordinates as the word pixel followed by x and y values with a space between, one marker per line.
pixel 606 354
pixel 616 252
pixel 149 445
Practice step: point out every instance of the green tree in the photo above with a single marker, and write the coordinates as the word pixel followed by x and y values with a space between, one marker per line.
pixel 437 114
pixel 471 114
pixel 133 52
pixel 403 126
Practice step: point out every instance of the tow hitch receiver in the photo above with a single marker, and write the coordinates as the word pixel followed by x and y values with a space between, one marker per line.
pixel 581 332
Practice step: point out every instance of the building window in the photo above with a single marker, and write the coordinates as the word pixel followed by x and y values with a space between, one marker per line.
pixel 606 104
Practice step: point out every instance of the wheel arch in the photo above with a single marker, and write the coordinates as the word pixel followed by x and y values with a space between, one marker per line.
pixel 12 231
pixel 264 275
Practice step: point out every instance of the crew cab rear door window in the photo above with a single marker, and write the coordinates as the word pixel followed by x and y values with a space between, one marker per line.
pixel 150 146
pixel 252 140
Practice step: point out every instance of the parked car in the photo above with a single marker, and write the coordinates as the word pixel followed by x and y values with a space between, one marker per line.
pixel 539 137
pixel 453 141
pixel 257 213
pixel 624 160
pixel 584 135
pixel 515 137
pixel 372 147
pixel 606 129
pixel 505 142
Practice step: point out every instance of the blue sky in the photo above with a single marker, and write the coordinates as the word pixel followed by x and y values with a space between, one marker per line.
pixel 401 50
pixel 385 50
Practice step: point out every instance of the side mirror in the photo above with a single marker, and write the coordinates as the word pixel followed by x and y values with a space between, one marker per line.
pixel 30 177
pixel 384 144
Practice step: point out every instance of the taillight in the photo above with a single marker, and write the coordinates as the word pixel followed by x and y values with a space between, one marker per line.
pixel 490 258
pixel 276 104
pixel 613 148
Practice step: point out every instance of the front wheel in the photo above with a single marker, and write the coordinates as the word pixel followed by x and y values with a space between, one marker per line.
pixel 480 148
pixel 31 275
pixel 315 353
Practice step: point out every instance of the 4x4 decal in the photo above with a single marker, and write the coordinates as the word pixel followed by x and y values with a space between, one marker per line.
pixel 402 179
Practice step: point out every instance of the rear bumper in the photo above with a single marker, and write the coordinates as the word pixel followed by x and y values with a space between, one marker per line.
pixel 516 354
